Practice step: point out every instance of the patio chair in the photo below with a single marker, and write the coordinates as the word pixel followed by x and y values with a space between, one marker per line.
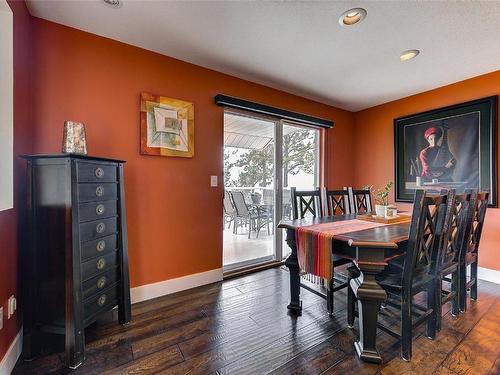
pixel 229 211
pixel 253 217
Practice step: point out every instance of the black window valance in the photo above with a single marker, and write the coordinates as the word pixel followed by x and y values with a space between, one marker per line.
pixel 229 101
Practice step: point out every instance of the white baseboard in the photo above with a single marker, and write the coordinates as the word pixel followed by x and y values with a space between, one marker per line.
pixel 488 275
pixel 9 360
pixel 162 288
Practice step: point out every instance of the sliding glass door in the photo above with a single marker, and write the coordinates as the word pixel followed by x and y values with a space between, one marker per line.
pixel 300 166
pixel 263 158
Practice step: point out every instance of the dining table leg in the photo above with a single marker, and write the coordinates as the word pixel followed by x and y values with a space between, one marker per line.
pixel 292 262
pixel 369 296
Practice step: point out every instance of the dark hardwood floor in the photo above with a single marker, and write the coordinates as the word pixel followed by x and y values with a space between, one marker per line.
pixel 242 326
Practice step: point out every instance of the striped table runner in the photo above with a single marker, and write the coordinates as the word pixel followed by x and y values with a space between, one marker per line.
pixel 314 244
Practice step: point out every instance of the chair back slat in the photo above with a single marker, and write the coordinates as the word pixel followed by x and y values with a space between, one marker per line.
pixel 306 203
pixel 360 200
pixel 457 228
pixel 239 203
pixel 363 200
pixel 480 204
pixel 337 202
pixel 427 229
pixel 228 204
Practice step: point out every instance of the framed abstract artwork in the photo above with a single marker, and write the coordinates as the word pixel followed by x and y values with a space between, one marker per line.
pixel 451 147
pixel 167 126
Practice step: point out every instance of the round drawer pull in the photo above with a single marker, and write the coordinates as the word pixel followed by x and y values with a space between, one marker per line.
pixel 101 282
pixel 101 227
pixel 99 210
pixel 99 173
pixel 101 263
pixel 99 191
pixel 101 245
pixel 102 300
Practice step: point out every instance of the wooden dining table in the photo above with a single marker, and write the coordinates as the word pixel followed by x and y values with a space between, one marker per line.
pixel 370 250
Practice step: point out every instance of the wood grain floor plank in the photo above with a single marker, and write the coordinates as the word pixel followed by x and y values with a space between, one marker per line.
pixel 150 364
pixel 442 370
pixel 277 353
pixel 242 326
pixel 479 350
pixel 495 369
pixel 313 361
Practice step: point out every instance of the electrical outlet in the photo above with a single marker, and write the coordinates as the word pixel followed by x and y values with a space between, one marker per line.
pixel 11 306
pixel 1 318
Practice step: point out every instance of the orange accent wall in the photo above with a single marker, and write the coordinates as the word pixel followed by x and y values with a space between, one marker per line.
pixel 374 144
pixel 174 216
pixel 22 144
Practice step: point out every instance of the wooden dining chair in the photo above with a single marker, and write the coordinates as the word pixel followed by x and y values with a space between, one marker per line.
pixel 337 202
pixel 306 203
pixel 416 275
pixel 470 258
pixel 457 230
pixel 361 200
pixel 309 203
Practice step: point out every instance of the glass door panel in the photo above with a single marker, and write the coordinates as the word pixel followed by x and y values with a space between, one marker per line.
pixel 300 165
pixel 249 184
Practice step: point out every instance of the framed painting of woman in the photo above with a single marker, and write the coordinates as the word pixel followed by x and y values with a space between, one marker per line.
pixel 451 147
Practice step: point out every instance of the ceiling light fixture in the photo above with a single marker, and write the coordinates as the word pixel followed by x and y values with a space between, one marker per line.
pixel 409 54
pixel 352 16
pixel 113 3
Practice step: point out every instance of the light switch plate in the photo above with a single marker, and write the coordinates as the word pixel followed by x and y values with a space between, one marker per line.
pixel 1 317
pixel 213 181
pixel 11 306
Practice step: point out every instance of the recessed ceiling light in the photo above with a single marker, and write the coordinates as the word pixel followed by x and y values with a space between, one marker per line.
pixel 352 16
pixel 409 54
pixel 113 3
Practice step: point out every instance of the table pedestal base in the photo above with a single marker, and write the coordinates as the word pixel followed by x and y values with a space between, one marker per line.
pixel 292 262
pixel 369 296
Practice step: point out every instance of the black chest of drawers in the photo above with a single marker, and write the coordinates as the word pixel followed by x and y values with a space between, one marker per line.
pixel 75 263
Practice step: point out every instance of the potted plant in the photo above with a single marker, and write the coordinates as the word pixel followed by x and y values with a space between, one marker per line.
pixel 381 198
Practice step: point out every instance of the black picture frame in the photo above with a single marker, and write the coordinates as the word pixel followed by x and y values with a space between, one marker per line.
pixel 477 147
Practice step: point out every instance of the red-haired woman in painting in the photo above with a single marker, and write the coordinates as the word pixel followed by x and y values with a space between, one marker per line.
pixel 437 159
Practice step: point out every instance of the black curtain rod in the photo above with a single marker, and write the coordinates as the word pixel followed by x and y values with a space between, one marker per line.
pixel 229 101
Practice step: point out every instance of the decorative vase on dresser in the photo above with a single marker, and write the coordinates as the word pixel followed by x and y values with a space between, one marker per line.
pixel 75 264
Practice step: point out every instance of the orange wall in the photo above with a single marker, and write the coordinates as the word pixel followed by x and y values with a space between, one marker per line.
pixel 374 144
pixel 174 217
pixel 22 144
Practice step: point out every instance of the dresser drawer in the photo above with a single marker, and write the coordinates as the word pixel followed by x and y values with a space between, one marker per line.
pixel 101 246
pixel 97 229
pixel 97 210
pixel 99 265
pixel 100 282
pixel 91 172
pixel 101 302
pixel 96 192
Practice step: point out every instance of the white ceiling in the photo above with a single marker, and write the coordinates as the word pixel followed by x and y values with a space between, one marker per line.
pixel 299 46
